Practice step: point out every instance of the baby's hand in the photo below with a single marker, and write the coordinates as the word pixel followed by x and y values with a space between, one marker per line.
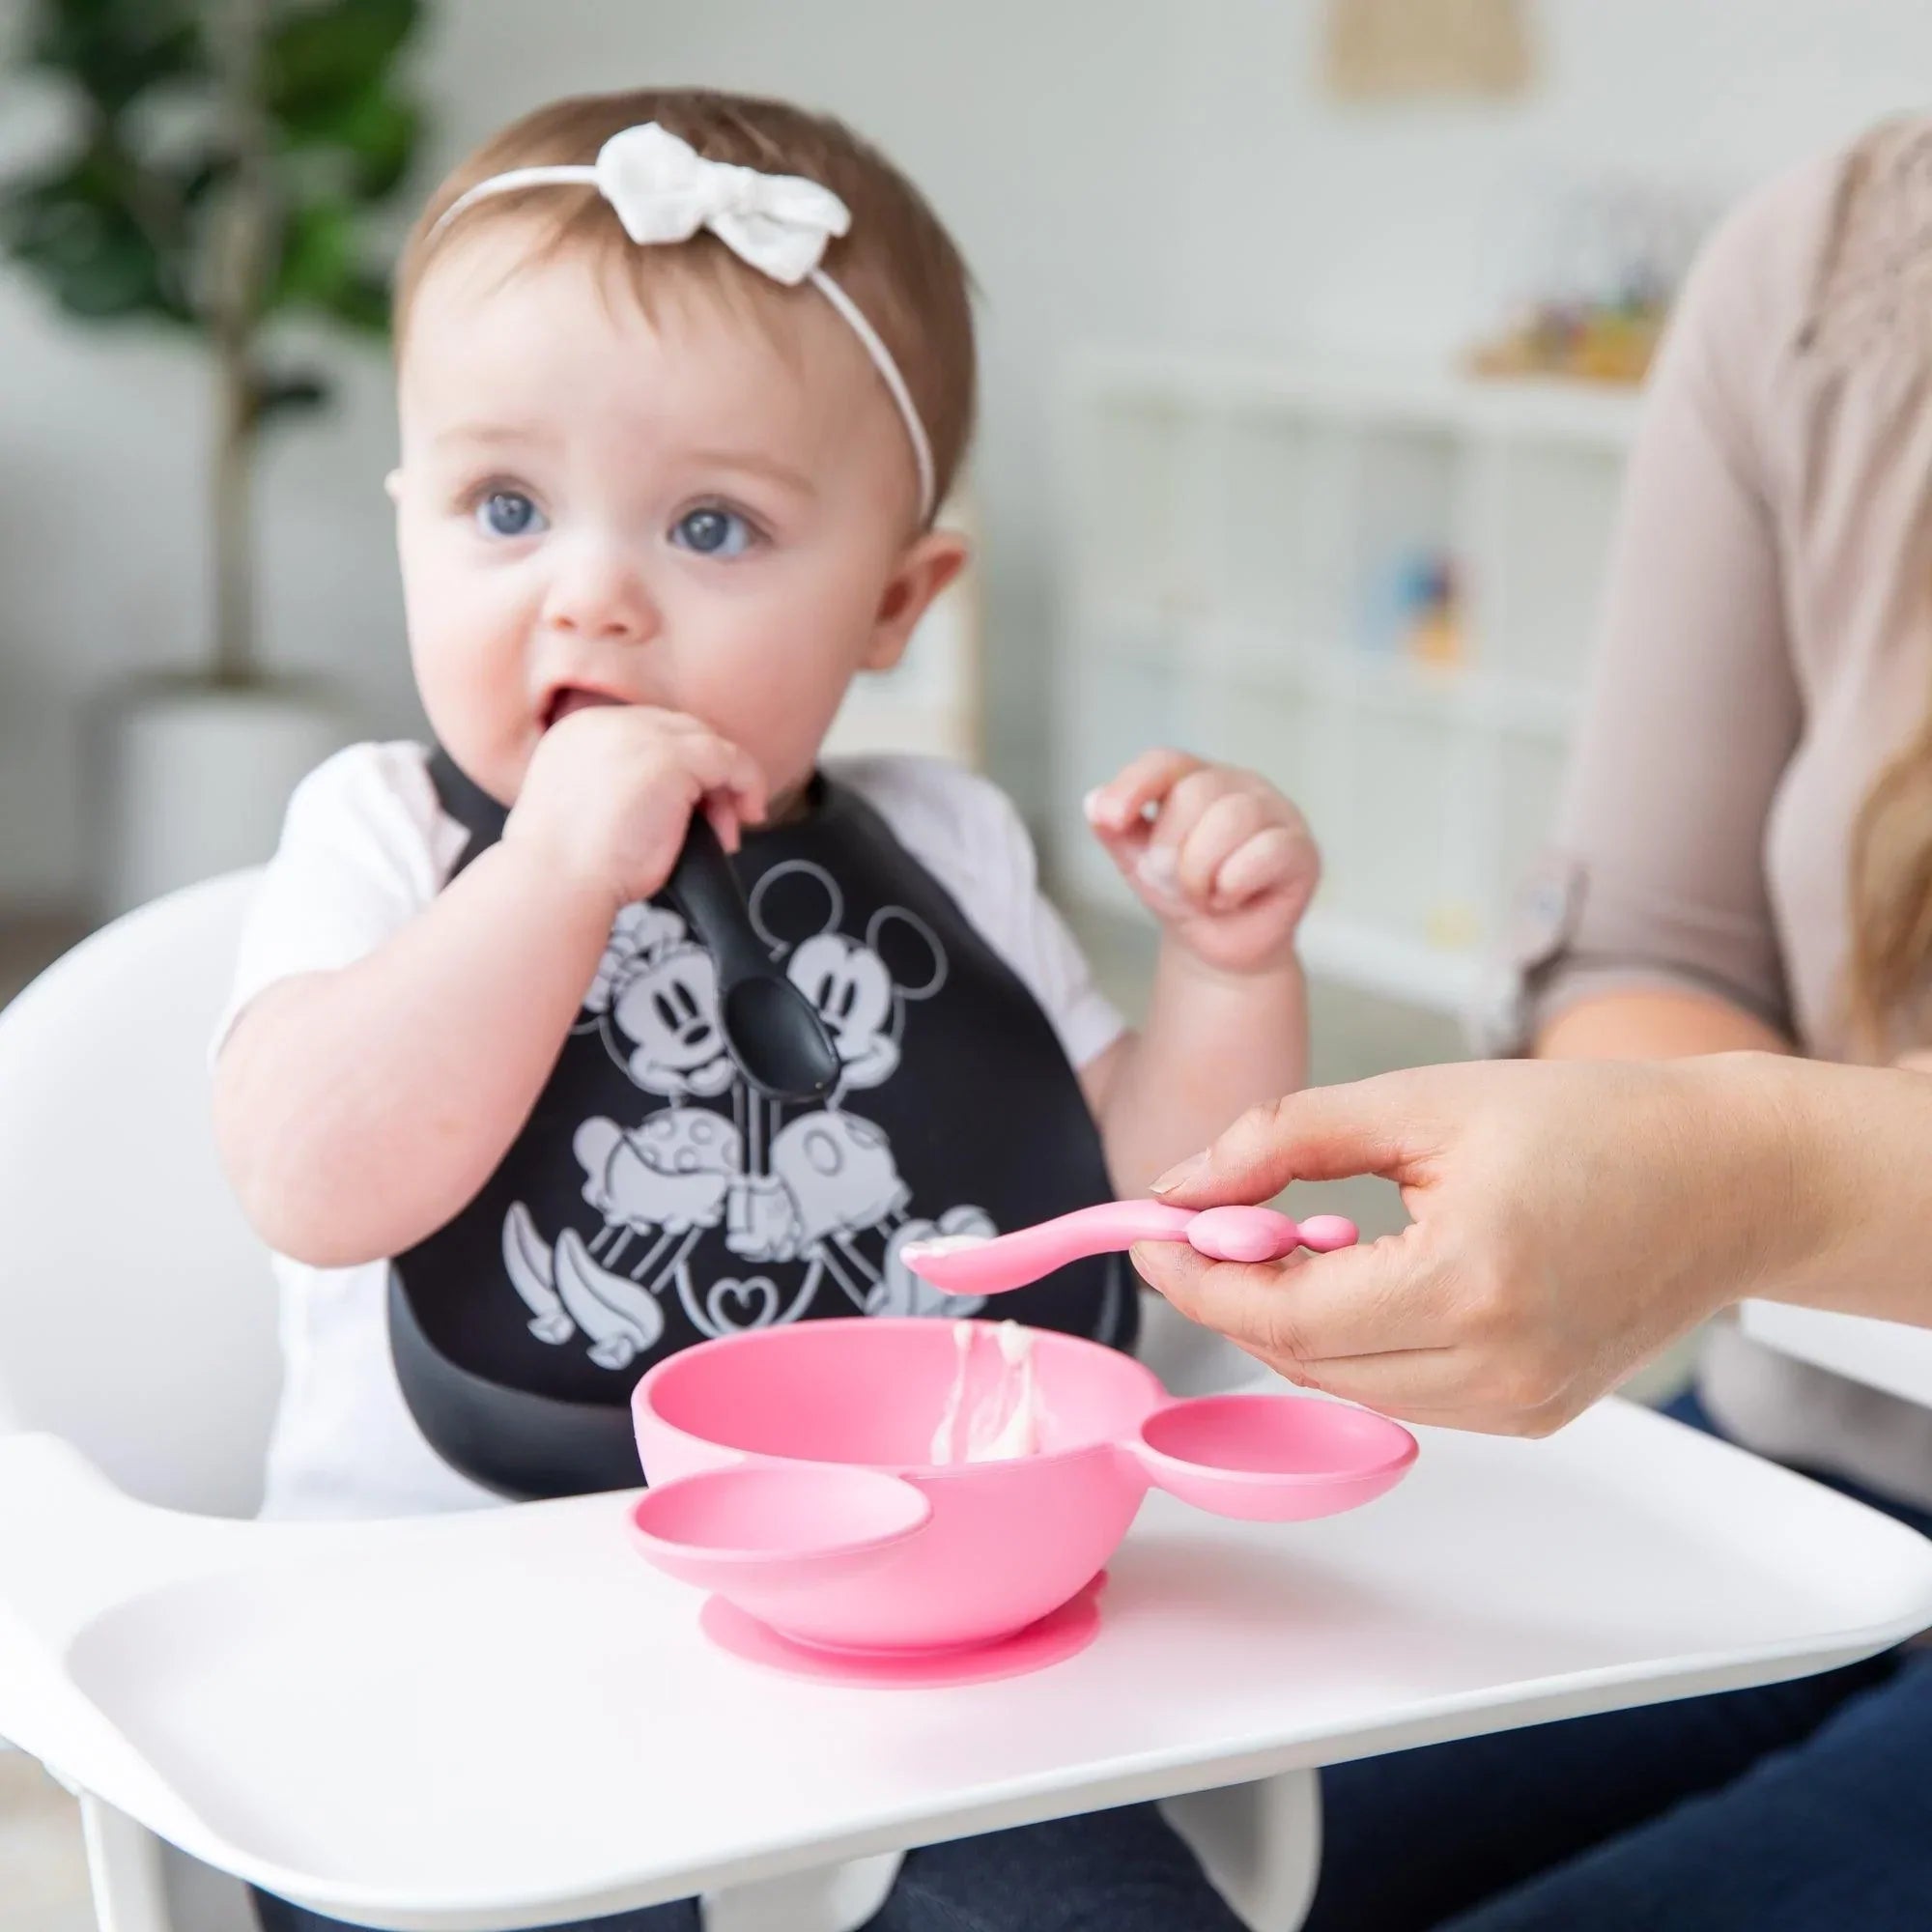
pixel 611 789
pixel 1217 855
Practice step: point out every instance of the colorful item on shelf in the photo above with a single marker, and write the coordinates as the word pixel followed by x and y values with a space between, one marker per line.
pixel 1586 341
pixel 1599 266
pixel 1416 610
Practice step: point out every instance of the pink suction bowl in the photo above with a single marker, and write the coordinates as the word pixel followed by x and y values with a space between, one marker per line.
pixel 791 1473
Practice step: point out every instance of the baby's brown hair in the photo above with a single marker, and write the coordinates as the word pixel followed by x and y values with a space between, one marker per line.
pixel 897 264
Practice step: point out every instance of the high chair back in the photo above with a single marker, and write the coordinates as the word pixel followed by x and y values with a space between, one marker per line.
pixel 138 1317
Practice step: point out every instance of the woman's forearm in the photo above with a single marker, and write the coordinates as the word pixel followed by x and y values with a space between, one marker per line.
pixel 1861 1174
pixel 1860 1145
pixel 1651 1025
pixel 357 1110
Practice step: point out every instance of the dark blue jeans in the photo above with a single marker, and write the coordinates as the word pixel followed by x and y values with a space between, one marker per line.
pixel 1108 1871
pixel 1800 1808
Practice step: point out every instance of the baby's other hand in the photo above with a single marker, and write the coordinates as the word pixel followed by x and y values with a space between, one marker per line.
pixel 1217 854
pixel 611 789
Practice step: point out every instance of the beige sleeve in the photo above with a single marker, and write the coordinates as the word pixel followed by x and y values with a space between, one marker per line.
pixel 1657 875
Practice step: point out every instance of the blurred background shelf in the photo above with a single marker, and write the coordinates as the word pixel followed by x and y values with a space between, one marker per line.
pixel 1376 584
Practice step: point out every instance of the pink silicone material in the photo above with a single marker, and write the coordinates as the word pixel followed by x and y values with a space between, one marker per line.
pixel 1006 1543
pixel 1062 1634
pixel 772 1531
pixel 1260 1235
pixel 1260 1456
pixel 1222 1234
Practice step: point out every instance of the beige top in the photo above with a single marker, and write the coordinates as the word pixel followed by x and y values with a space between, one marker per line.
pixel 1767 644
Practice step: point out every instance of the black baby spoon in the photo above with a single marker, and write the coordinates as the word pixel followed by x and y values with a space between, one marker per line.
pixel 774 1032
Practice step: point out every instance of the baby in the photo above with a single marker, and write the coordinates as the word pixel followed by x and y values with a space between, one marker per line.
pixel 682 379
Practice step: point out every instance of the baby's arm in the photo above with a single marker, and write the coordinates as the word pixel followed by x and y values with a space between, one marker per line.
pixel 1214 1045
pixel 1227 864
pixel 359 1109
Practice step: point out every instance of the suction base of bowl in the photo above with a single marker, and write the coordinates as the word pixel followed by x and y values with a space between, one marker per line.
pixel 1056 1638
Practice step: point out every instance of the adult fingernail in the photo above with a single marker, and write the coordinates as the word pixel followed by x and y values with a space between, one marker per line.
pixel 1176 1176
pixel 1094 804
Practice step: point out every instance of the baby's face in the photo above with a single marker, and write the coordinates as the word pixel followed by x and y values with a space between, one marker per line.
pixel 700 513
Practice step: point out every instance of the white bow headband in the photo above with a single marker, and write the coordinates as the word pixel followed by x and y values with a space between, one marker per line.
pixel 663 191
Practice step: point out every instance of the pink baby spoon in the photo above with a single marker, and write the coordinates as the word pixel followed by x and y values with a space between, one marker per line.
pixel 977 1264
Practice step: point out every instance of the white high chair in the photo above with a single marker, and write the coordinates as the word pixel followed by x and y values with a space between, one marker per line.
pixel 137 1321
pixel 1889 1356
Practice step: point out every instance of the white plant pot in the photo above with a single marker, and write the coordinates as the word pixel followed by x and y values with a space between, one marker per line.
pixel 197 777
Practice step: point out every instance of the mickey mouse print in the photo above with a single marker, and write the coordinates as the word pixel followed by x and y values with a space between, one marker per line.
pixel 654 1199
pixel 804 1206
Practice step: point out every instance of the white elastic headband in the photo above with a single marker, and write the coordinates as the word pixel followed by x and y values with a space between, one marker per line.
pixel 663 189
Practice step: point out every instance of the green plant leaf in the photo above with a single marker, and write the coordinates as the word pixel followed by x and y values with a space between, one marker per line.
pixel 116 49
pixel 113 279
pixel 373 131
pixel 321 270
pixel 317 58
pixel 76 231
pixel 117 230
pixel 360 302
pixel 318 250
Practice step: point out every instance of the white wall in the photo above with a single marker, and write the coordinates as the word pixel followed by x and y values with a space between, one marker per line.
pixel 1389 229
pixel 1165 170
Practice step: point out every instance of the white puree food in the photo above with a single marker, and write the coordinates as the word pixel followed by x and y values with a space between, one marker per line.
pixel 1005 1422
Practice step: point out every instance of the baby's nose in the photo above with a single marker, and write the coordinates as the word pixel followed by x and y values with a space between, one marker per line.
pixel 601 596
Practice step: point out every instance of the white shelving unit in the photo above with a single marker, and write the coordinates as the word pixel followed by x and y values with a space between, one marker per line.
pixel 1231 532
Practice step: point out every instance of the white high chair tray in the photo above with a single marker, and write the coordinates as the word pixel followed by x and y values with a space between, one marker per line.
pixel 509 1718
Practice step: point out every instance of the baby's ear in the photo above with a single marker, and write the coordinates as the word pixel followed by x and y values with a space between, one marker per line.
pixel 929 565
pixel 392 485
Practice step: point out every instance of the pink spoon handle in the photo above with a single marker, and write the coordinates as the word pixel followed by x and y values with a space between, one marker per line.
pixel 1013 1261
pixel 1260 1235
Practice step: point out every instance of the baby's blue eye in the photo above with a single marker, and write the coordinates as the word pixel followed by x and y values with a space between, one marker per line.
pixel 713 532
pixel 509 513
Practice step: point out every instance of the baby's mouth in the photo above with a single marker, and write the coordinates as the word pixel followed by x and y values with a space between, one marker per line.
pixel 569 697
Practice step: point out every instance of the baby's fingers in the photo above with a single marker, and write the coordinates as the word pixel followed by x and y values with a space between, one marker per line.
pixel 1118 809
pixel 727 782
pixel 1278 858
pixel 1228 824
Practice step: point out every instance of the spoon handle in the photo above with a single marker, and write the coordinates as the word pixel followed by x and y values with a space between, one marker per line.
pixel 705 891
pixel 965 1265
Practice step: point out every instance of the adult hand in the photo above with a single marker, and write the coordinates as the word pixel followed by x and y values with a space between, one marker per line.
pixel 1569 1221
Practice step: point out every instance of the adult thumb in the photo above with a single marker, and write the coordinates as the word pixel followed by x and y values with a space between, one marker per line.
pixel 1322 1133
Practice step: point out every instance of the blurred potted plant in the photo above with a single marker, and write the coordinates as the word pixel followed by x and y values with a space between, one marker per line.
pixel 225 160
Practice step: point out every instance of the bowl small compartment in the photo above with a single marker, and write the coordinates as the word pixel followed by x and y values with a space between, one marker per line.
pixel 769 1513
pixel 1274 1457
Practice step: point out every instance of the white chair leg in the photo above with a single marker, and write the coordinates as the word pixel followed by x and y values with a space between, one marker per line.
pixel 1260 1844
pixel 124 1869
pixel 202 1899
pixel 832 1899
